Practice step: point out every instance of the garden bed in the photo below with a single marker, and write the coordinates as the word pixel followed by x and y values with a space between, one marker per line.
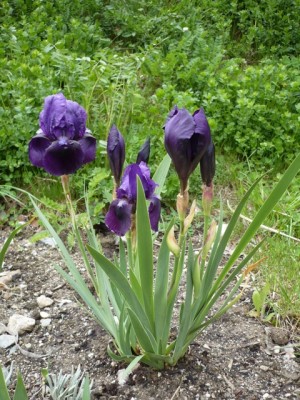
pixel 235 358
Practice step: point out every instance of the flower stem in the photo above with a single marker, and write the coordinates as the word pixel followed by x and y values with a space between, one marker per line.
pixel 66 189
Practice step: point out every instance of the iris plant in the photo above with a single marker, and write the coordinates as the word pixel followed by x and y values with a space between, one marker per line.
pixel 137 293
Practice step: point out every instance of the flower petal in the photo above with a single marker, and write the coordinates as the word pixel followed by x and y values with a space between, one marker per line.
pixel 172 113
pixel 37 148
pixel 52 114
pixel 201 123
pixel 180 126
pixel 62 117
pixel 75 120
pixel 63 157
pixel 154 213
pixel 88 146
pixel 128 188
pixel 118 217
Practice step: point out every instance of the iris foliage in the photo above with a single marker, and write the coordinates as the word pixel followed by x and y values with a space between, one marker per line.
pixel 136 292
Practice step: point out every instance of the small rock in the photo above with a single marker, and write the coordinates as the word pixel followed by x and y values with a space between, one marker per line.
pixel 49 242
pixel 279 336
pixel 19 324
pixel 7 341
pixel 28 346
pixel 45 322
pixel 264 367
pixel 44 301
pixel 44 314
pixel 2 328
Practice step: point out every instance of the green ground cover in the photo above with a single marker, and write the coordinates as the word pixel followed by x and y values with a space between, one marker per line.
pixel 129 62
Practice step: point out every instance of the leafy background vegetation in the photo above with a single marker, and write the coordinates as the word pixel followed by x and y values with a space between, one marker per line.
pixel 128 62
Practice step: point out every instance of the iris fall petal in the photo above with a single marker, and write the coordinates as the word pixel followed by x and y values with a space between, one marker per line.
pixel 37 148
pixel 154 213
pixel 118 217
pixel 63 158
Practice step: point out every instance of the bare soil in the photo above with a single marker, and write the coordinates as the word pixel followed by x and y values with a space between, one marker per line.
pixel 236 358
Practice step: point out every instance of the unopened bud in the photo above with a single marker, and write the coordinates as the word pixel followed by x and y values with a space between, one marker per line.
pixel 207 199
pixel 189 219
pixel 211 234
pixel 182 204
pixel 172 243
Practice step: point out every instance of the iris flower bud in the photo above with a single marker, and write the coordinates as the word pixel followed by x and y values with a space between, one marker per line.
pixel 144 152
pixel 116 153
pixel 208 165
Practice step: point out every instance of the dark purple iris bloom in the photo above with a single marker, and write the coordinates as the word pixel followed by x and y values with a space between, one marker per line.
pixel 186 140
pixel 116 153
pixel 144 153
pixel 208 165
pixel 118 217
pixel 63 144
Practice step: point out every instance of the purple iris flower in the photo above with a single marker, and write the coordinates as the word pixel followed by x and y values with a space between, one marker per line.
pixel 116 153
pixel 63 143
pixel 208 165
pixel 186 140
pixel 118 217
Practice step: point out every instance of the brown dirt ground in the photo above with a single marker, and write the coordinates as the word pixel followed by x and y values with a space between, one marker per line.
pixel 235 358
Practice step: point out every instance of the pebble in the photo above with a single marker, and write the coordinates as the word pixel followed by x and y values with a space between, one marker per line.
pixel 44 301
pixel 264 367
pixel 2 328
pixel 44 314
pixel 6 341
pixel 19 324
pixel 279 336
pixel 49 242
pixel 45 322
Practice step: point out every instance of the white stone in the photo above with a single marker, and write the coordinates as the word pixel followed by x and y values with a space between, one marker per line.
pixel 49 241
pixel 44 301
pixel 19 324
pixel 6 341
pixel 2 328
pixel 44 314
pixel 45 322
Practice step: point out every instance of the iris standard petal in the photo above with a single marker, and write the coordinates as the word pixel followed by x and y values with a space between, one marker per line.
pixel 88 146
pixel 154 213
pixel 128 187
pixel 180 126
pixel 144 153
pixel 37 148
pixel 75 120
pixel 116 152
pixel 118 217
pixel 201 123
pixel 52 115
pixel 63 157
pixel 172 113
